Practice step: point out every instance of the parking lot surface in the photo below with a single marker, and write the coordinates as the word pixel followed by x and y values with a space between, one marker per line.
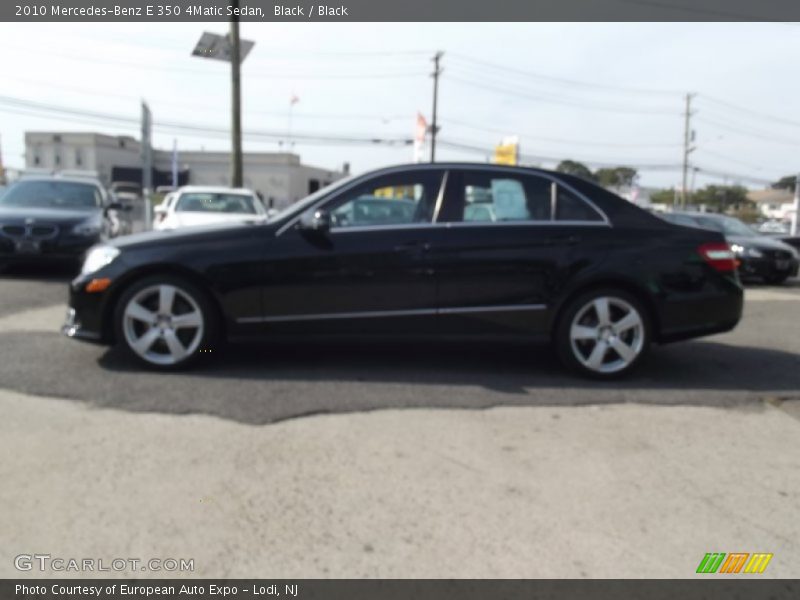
pixel 243 465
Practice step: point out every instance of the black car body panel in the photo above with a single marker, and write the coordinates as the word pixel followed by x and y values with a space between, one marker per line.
pixel 445 277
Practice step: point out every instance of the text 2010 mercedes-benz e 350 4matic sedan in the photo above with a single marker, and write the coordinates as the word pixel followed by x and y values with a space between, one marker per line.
pixel 442 250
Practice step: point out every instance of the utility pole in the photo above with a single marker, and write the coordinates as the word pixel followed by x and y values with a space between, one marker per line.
pixel 434 126
pixel 796 213
pixel 687 149
pixel 236 99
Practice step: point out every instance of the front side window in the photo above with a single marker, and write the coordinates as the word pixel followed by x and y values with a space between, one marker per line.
pixel 402 199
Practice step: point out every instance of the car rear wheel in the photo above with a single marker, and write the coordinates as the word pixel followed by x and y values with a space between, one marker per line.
pixel 165 322
pixel 603 334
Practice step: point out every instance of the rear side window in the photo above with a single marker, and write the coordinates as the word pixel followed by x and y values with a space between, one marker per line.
pixel 500 198
pixel 571 208
pixel 484 196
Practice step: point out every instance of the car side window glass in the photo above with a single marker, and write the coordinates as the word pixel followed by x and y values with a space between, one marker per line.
pixel 494 197
pixel 571 208
pixel 388 200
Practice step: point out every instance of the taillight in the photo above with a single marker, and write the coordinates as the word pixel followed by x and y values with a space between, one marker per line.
pixel 719 255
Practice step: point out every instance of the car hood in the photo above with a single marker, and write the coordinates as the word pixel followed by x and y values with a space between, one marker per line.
pixel 186 235
pixel 57 216
pixel 761 242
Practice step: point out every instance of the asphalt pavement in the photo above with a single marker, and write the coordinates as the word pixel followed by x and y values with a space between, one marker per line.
pixel 445 460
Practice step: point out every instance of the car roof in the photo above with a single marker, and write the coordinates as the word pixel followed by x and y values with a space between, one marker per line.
pixel 211 189
pixel 54 178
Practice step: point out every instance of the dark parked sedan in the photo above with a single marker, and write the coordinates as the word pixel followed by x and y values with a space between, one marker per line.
pixel 758 255
pixel 560 260
pixel 52 219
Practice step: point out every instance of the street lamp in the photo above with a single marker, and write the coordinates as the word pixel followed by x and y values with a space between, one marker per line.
pixel 230 48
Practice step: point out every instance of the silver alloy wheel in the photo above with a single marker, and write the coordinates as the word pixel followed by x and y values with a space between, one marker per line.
pixel 163 324
pixel 607 334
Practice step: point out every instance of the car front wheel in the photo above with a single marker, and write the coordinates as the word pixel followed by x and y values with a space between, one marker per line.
pixel 603 334
pixel 165 322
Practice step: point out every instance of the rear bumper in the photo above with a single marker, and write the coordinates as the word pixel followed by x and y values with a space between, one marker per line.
pixel 690 317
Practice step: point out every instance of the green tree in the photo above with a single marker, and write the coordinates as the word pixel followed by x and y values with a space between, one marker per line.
pixel 616 177
pixel 663 196
pixel 721 198
pixel 578 169
pixel 785 183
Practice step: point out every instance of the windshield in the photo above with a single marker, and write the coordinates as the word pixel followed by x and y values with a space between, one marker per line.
pixel 216 203
pixel 53 194
pixel 726 225
pixel 303 204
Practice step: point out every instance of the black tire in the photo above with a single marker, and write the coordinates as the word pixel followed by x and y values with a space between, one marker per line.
pixel 188 302
pixel 776 279
pixel 608 339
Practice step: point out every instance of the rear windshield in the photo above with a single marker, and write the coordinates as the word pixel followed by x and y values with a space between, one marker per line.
pixel 216 203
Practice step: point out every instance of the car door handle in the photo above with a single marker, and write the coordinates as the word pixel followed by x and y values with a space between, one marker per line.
pixel 414 247
pixel 565 240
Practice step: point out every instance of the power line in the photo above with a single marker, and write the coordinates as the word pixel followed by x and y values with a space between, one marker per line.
pixel 562 102
pixel 534 137
pixel 49 109
pixel 756 135
pixel 748 111
pixel 493 67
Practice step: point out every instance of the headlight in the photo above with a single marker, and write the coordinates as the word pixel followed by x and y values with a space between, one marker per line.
pixel 740 250
pixel 88 228
pixel 98 258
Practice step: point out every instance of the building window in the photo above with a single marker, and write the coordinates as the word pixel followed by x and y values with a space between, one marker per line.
pixel 78 157
pixel 313 185
pixel 57 160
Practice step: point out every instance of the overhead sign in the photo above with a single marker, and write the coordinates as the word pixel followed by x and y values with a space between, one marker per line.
pixel 218 47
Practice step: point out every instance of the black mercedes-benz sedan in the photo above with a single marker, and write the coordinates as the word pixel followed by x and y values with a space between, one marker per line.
pixel 487 252
pixel 53 218
pixel 758 256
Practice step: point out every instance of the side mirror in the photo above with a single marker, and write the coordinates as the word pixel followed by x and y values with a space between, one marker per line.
pixel 316 221
pixel 113 206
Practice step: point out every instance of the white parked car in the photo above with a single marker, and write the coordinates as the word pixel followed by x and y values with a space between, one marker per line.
pixel 195 205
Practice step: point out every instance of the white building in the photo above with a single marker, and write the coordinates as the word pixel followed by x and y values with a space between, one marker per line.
pixel 773 204
pixel 279 177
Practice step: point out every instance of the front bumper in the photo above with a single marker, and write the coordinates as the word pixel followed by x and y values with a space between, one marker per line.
pixel 67 249
pixel 86 312
pixel 768 267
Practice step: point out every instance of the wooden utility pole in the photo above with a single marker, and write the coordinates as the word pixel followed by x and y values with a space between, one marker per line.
pixel 236 99
pixel 434 125
pixel 687 149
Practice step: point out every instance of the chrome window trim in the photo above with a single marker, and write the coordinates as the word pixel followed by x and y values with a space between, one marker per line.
pixel 440 198
pixel 447 168
pixel 393 313
pixel 458 224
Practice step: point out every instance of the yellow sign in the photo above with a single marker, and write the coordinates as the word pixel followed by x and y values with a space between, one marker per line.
pixel 507 153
